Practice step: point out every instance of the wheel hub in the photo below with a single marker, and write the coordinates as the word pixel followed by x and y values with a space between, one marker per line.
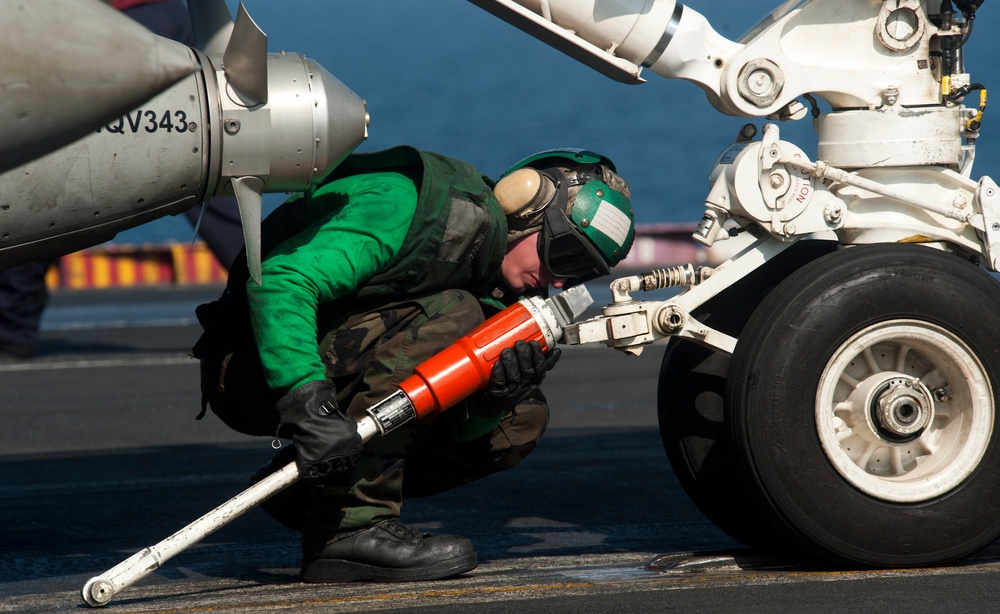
pixel 904 411
pixel 901 409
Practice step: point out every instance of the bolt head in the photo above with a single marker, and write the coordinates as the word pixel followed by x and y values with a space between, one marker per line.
pixel 761 82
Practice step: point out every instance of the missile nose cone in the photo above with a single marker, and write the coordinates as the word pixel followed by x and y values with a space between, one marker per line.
pixel 70 66
pixel 342 121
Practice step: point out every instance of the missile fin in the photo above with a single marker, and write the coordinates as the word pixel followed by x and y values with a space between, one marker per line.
pixel 245 60
pixel 212 24
pixel 248 195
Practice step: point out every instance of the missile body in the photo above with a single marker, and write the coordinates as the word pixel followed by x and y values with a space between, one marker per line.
pixel 245 123
pixel 67 66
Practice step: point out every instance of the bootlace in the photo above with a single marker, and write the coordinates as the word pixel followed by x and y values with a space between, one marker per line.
pixel 396 526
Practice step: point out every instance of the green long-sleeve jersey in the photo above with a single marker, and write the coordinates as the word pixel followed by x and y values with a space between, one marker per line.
pixel 385 226
pixel 352 229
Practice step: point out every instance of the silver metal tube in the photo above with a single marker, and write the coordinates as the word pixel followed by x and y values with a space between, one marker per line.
pixel 99 590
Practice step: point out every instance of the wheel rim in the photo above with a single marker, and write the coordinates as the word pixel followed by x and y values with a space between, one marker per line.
pixel 904 411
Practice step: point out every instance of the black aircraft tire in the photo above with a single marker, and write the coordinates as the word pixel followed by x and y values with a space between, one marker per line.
pixel 862 401
pixel 691 398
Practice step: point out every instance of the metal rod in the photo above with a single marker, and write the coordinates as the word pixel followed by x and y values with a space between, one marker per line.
pixel 825 171
pixel 99 590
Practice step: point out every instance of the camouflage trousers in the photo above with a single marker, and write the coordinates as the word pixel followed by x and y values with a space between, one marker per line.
pixel 366 357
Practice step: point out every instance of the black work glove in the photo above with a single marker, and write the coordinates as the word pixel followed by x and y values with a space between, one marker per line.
pixel 518 372
pixel 326 441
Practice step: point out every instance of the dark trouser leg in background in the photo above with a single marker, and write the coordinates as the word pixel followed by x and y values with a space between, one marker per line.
pixel 23 297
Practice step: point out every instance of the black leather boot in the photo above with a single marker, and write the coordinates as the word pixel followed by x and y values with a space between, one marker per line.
pixel 390 551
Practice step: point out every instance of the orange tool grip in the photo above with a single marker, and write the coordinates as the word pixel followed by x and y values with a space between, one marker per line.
pixel 464 367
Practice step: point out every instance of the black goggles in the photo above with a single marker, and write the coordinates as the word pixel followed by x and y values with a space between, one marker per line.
pixel 566 252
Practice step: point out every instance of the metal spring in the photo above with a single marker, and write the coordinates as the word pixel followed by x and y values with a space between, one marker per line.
pixel 657 279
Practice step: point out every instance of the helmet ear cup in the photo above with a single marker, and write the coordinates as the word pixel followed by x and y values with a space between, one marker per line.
pixel 524 192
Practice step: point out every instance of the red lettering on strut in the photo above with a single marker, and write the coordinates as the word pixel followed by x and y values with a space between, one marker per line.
pixel 804 192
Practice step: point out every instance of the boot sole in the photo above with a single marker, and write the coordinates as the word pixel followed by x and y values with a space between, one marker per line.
pixel 329 571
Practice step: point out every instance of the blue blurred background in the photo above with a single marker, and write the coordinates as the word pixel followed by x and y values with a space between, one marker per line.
pixel 447 76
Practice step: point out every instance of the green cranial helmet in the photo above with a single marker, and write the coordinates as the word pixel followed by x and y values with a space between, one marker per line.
pixel 578 202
